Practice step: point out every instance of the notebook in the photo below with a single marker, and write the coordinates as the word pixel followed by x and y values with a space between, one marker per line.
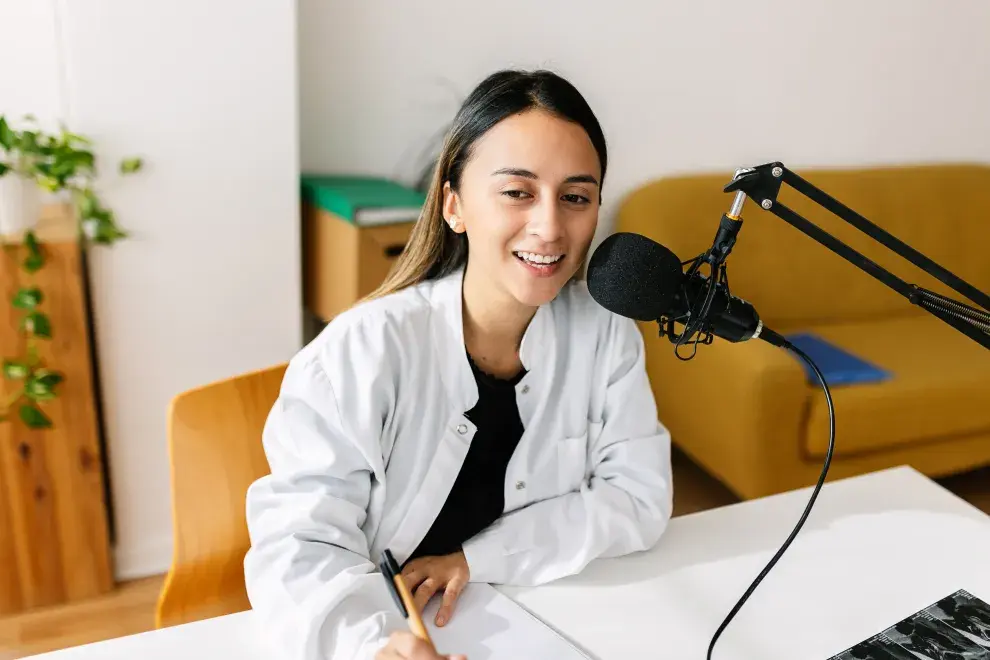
pixel 487 625
pixel 839 366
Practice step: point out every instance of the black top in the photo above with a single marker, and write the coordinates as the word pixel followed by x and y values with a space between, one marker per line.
pixel 477 497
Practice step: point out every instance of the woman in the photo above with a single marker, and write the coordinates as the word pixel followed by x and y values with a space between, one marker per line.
pixel 479 415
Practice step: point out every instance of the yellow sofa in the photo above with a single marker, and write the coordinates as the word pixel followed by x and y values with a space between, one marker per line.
pixel 746 412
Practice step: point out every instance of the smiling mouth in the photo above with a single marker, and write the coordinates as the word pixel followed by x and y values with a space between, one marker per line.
pixel 538 259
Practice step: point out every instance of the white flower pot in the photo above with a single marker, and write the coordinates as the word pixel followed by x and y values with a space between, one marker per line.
pixel 20 204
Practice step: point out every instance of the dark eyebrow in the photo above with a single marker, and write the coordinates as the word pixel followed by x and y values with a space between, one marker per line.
pixel 516 171
pixel 581 178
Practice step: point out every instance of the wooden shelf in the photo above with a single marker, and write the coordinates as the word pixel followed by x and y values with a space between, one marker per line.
pixel 55 542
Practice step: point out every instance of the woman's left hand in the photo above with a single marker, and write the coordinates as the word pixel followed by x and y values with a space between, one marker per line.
pixel 428 575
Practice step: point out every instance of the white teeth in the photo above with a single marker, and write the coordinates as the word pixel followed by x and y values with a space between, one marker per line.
pixel 540 258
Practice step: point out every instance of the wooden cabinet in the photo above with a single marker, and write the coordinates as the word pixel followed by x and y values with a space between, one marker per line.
pixel 343 262
pixel 54 520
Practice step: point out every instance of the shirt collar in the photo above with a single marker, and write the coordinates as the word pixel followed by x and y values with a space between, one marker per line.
pixel 446 298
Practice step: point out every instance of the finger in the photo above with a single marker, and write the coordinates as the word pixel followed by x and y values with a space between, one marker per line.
pixel 414 578
pixel 404 645
pixel 415 572
pixel 450 595
pixel 389 651
pixel 425 592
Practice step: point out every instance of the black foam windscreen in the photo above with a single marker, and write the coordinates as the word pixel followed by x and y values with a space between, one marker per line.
pixel 634 276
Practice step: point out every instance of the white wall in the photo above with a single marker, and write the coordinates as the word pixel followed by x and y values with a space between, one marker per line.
pixel 32 85
pixel 678 86
pixel 208 284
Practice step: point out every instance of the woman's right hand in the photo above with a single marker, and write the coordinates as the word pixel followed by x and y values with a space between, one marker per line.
pixel 403 645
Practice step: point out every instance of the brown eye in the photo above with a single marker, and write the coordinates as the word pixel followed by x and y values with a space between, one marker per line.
pixel 576 199
pixel 515 194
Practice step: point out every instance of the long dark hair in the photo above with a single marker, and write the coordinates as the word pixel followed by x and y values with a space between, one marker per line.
pixel 433 249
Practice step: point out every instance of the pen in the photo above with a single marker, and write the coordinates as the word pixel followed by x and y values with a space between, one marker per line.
pixel 403 597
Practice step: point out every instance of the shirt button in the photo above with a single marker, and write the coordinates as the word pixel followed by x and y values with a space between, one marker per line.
pixel 525 389
pixel 462 429
pixel 520 485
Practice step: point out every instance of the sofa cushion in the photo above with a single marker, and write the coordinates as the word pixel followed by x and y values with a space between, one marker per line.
pixel 940 387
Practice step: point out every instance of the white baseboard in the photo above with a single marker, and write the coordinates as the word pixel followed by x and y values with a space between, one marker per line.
pixel 150 557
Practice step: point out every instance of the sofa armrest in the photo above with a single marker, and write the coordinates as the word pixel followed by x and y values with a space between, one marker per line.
pixel 736 409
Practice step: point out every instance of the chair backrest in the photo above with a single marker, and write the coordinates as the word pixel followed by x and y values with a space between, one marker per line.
pixel 215 451
pixel 941 210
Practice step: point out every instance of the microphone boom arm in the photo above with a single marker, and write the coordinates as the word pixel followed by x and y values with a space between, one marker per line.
pixel 762 185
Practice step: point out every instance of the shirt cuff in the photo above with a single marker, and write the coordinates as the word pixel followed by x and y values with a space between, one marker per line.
pixel 485 556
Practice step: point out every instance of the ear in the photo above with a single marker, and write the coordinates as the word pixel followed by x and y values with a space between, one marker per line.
pixel 451 208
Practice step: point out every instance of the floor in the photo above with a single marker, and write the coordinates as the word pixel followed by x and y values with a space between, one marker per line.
pixel 130 609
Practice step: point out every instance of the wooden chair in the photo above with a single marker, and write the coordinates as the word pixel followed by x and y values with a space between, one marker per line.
pixel 215 452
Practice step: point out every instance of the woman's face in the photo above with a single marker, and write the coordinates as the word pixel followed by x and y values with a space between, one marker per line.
pixel 528 200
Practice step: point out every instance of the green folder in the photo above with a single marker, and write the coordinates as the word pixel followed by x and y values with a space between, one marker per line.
pixel 363 200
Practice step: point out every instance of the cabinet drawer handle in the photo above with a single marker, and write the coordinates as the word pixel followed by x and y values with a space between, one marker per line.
pixel 392 251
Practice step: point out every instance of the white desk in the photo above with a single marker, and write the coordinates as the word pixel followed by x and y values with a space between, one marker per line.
pixel 874 550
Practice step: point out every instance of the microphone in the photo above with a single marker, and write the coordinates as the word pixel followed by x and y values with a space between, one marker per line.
pixel 636 277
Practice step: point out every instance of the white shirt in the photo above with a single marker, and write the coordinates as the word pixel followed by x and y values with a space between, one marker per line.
pixel 369 432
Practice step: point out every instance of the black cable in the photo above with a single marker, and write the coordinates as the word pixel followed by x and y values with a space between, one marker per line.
pixel 811 501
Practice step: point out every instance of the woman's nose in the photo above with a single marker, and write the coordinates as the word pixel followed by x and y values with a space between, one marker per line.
pixel 547 222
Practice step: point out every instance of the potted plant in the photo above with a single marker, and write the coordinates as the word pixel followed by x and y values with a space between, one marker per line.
pixel 34 162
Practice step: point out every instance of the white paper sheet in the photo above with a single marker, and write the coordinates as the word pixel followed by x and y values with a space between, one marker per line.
pixel 487 625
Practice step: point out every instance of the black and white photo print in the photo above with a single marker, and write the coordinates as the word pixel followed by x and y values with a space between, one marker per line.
pixel 879 647
pixel 965 613
pixel 956 627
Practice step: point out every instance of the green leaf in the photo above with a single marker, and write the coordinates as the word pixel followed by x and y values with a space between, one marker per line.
pixel 7 137
pixel 109 235
pixel 63 168
pixel 102 229
pixel 4 168
pixel 14 370
pixel 130 165
pixel 33 417
pixel 48 377
pixel 51 184
pixel 33 263
pixel 28 298
pixel 82 139
pixel 48 147
pixel 85 159
pixel 88 204
pixel 41 385
pixel 67 162
pixel 35 259
pixel 38 324
pixel 28 141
